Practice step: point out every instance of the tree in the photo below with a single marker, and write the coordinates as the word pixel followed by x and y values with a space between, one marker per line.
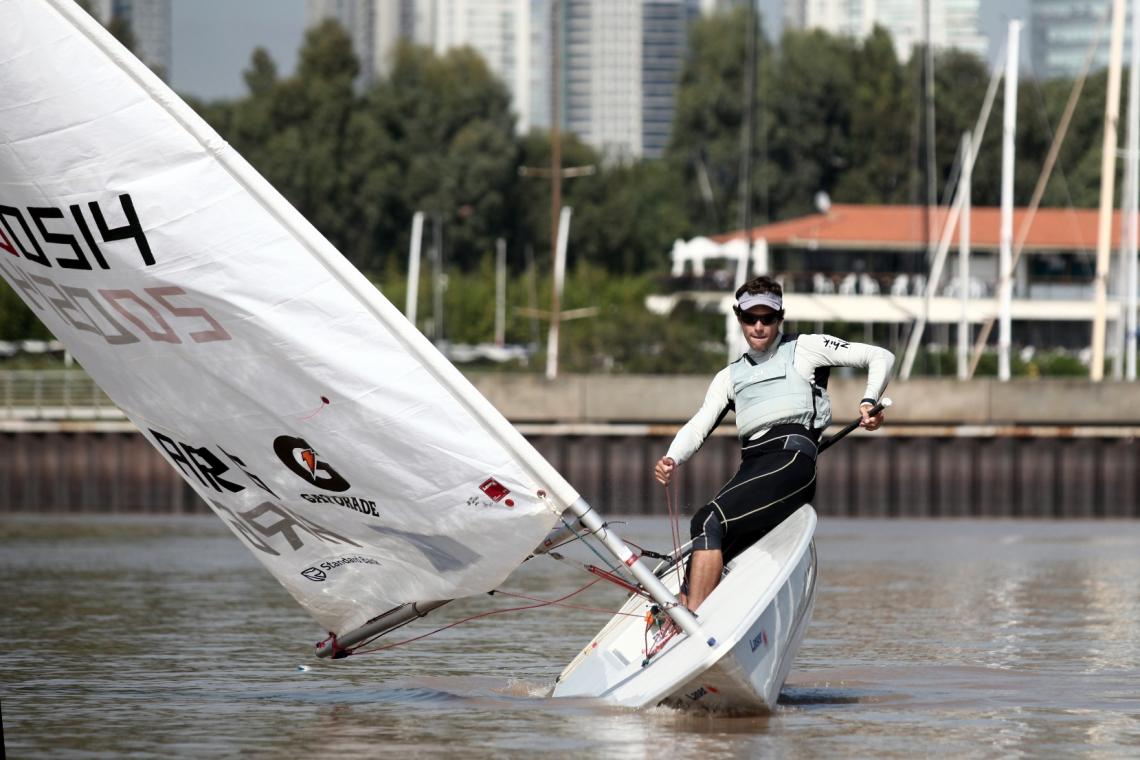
pixel 626 337
pixel 879 126
pixel 811 147
pixel 261 76
pixel 532 223
pixel 627 217
pixel 312 139
pixel 704 147
pixel 457 158
pixel 17 321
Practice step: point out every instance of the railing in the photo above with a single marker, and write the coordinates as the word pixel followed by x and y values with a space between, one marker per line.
pixel 53 395
pixel 1035 287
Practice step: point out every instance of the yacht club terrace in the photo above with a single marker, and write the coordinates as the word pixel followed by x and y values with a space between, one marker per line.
pixel 869 263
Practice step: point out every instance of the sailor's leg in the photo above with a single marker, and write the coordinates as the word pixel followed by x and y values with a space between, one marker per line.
pixel 785 484
pixel 705 567
pixel 706 560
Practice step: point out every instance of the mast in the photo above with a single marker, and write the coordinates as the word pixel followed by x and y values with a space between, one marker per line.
pixel 555 191
pixel 414 266
pixel 1120 283
pixel 437 276
pixel 1107 183
pixel 500 292
pixel 558 278
pixel 1130 214
pixel 746 147
pixel 931 163
pixel 915 338
pixel 964 258
pixel 1005 251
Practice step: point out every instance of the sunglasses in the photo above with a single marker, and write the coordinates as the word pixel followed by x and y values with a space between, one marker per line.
pixel 767 320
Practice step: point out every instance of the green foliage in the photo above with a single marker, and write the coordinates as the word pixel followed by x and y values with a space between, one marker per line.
pixel 261 76
pixel 17 321
pixel 623 337
pixel 704 147
pixel 457 156
pixel 626 218
pixel 626 337
pixel 1054 363
pixel 810 145
pixel 879 166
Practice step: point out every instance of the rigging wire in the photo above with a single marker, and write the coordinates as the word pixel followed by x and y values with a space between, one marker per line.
pixel 612 576
pixel 567 606
pixel 489 613
pixel 1042 180
pixel 617 580
pixel 569 541
pixel 599 555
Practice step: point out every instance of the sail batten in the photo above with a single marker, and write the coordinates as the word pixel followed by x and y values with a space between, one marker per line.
pixel 255 358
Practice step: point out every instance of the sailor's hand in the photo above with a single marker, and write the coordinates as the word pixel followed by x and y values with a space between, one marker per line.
pixel 664 470
pixel 869 422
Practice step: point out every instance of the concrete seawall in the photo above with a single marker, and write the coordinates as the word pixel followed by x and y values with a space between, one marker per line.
pixel 673 399
pixel 1030 448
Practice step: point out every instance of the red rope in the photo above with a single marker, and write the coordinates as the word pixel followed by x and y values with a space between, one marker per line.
pixel 614 579
pixel 675 524
pixel 489 613
pixel 568 606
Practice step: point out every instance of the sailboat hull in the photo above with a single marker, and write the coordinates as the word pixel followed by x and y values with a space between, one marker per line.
pixel 752 626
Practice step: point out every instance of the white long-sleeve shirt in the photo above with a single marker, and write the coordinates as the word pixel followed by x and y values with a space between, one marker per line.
pixel 813 352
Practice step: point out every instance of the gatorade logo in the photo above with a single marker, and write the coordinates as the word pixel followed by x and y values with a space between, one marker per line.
pixel 304 462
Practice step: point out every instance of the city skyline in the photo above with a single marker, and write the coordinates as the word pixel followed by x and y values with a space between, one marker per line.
pixel 953 23
pixel 212 40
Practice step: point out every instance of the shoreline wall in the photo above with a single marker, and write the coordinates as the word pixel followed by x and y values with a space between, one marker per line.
pixel 1023 449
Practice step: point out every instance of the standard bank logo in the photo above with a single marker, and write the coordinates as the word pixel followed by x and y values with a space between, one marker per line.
pixel 314 574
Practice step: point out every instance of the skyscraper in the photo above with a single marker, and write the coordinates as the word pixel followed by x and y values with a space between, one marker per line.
pixel 149 21
pixel 664 43
pixel 619 65
pixel 501 31
pixel 623 59
pixel 1061 32
pixel 953 23
pixel 601 71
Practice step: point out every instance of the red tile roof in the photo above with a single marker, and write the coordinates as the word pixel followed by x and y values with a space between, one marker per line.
pixel 894 227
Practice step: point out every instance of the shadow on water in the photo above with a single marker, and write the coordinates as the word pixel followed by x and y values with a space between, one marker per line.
pixel 823 696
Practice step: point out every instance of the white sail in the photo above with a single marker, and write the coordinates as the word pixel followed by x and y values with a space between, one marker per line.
pixel 358 465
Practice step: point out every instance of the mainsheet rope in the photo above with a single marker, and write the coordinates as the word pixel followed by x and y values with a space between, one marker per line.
pixel 674 524
pixel 489 613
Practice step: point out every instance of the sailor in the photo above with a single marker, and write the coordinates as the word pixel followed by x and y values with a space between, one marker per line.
pixel 778 389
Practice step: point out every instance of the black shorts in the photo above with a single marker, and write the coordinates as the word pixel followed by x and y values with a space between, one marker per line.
pixel 771 484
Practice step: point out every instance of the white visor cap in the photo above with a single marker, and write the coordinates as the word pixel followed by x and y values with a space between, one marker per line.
pixel 771 300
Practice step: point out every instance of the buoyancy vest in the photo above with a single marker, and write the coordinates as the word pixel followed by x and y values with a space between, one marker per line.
pixel 772 392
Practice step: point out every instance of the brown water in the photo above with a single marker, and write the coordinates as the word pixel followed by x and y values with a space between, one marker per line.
pixel 159 636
